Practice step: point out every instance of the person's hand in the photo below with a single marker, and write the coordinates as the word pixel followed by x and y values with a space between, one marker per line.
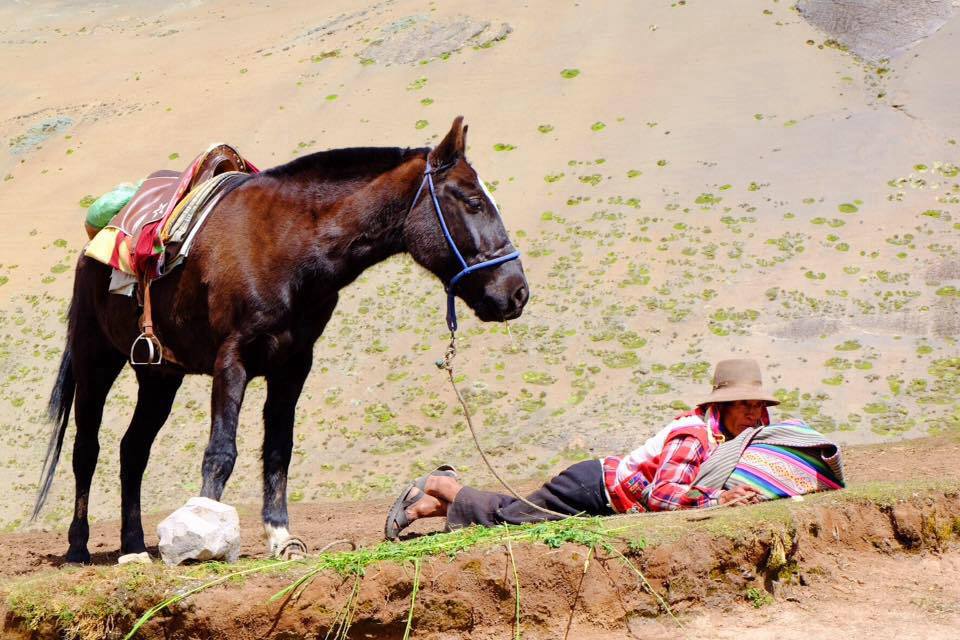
pixel 742 495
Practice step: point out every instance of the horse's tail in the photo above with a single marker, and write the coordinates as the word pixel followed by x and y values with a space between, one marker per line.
pixel 58 412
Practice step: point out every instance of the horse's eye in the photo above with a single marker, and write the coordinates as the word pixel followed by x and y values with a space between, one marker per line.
pixel 475 204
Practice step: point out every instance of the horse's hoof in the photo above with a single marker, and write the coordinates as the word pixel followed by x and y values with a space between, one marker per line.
pixel 135 558
pixel 77 557
pixel 293 548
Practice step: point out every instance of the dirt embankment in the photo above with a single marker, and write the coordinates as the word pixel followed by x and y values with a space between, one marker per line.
pixel 474 595
pixel 829 555
pixel 881 555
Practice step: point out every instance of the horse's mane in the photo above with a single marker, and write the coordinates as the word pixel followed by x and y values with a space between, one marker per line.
pixel 346 164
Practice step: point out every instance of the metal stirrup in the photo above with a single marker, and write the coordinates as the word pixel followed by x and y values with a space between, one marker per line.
pixel 154 350
pixel 147 336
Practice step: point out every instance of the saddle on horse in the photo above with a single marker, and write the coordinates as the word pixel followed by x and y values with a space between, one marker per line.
pixel 153 233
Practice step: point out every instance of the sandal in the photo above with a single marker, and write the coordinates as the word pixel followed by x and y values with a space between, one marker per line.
pixel 397 519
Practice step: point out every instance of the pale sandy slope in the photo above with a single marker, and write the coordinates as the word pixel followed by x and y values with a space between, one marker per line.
pixel 647 269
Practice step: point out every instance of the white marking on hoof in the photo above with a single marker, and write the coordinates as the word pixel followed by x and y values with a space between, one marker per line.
pixel 276 536
pixel 135 558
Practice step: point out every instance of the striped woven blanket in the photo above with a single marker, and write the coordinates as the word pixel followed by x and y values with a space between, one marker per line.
pixel 778 461
pixel 154 231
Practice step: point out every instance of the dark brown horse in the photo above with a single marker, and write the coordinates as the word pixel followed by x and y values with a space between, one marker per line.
pixel 257 291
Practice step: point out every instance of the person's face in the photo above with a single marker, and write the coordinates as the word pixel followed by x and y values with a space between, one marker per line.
pixel 741 414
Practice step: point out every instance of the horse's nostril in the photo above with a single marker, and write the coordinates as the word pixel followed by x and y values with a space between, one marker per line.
pixel 520 296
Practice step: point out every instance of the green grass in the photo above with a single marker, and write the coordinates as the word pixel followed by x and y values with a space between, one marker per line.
pixel 325 55
pixel 80 599
pixel 413 599
pixel 83 602
pixel 758 597
pixel 586 531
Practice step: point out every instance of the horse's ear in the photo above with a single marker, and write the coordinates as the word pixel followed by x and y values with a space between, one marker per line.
pixel 453 145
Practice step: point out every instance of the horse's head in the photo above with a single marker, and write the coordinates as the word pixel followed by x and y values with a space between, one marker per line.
pixel 496 292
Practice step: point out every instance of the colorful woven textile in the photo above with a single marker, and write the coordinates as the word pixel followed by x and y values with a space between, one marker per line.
pixel 781 472
pixel 780 460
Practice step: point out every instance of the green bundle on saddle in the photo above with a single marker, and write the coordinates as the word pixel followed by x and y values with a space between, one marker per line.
pixel 109 204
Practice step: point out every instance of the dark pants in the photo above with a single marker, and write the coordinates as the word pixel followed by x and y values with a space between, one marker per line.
pixel 577 489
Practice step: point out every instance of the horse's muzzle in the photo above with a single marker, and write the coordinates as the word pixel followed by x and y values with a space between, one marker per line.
pixel 504 295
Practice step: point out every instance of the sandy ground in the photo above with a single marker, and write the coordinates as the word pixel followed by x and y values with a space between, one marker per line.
pixel 912 597
pixel 718 179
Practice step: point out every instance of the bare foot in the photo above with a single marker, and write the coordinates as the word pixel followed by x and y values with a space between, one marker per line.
pixel 443 488
pixel 426 506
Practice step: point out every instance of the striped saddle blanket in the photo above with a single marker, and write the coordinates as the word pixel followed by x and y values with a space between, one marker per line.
pixel 154 231
pixel 778 461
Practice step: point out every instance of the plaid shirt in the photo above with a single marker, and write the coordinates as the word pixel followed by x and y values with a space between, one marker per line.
pixel 666 485
pixel 671 488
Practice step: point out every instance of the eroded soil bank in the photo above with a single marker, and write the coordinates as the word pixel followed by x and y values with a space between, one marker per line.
pixel 829 555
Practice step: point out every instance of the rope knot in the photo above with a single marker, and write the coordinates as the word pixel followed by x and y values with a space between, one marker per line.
pixel 446 362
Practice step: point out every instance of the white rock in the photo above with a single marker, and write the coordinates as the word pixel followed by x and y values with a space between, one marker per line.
pixel 202 529
pixel 134 558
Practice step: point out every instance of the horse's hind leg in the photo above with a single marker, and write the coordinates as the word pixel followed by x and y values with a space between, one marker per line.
pixel 283 391
pixel 154 401
pixel 96 365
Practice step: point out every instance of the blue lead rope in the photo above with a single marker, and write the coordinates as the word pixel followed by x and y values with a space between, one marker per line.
pixel 466 269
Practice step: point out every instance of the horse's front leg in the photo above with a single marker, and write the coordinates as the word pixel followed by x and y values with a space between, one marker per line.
pixel 283 390
pixel 229 384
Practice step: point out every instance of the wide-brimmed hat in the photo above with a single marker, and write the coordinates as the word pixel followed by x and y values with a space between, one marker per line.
pixel 738 379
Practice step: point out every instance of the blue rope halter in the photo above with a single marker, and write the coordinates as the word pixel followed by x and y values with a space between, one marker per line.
pixel 466 269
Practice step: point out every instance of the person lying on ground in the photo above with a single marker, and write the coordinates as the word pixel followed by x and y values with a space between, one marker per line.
pixel 658 476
